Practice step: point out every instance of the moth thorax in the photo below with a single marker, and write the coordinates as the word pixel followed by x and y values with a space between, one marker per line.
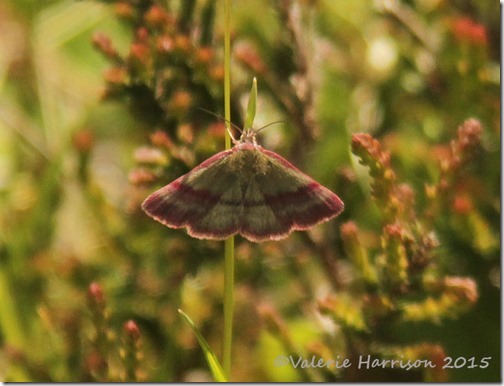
pixel 249 162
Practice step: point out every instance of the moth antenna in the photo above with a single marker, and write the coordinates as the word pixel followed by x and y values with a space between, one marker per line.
pixel 269 124
pixel 218 116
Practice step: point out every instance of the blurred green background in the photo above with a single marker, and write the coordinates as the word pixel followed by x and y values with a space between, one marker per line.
pixel 98 107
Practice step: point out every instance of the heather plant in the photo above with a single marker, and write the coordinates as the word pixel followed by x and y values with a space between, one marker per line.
pixel 392 105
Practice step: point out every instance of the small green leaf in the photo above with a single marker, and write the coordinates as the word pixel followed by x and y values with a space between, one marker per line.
pixel 213 362
pixel 251 109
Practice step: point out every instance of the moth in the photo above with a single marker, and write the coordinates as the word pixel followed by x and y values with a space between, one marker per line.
pixel 246 190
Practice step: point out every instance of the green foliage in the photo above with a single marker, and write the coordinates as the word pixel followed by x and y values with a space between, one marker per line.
pixel 392 105
pixel 213 362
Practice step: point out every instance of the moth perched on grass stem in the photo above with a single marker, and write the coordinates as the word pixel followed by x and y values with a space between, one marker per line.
pixel 246 190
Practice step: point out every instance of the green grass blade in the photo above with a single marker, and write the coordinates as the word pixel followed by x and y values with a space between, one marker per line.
pixel 252 103
pixel 213 362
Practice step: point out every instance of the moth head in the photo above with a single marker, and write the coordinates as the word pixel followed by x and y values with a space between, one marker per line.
pixel 248 135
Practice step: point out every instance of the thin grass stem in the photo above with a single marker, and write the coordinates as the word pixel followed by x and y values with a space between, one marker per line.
pixel 229 243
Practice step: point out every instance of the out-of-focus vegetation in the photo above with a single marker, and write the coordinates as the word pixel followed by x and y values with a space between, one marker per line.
pixel 394 105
